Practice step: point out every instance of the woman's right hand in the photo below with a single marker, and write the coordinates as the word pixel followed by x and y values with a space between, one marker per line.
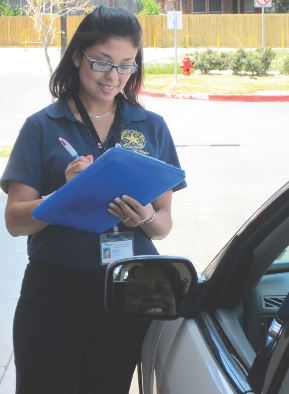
pixel 77 165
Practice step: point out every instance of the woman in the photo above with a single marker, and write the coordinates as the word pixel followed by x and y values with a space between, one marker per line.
pixel 64 342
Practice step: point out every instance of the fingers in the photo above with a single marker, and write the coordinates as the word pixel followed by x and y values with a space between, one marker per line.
pixel 129 211
pixel 77 166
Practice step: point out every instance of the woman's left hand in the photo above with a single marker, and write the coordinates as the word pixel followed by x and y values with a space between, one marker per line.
pixel 129 211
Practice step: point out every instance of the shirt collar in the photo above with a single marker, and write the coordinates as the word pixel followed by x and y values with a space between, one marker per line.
pixel 130 112
pixel 59 109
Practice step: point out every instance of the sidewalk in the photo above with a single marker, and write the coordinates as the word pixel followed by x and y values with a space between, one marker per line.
pixel 13 262
pixel 265 96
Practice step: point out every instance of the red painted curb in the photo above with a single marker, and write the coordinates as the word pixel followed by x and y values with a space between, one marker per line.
pixel 248 97
pixel 220 97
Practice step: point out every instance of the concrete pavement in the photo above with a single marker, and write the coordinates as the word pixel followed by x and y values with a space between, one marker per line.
pixel 13 262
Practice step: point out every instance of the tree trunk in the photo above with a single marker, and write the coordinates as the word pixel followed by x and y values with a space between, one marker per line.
pixel 45 46
pixel 47 58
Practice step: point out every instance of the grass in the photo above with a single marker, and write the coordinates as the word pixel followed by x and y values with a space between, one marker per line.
pixel 215 83
pixel 5 150
pixel 160 77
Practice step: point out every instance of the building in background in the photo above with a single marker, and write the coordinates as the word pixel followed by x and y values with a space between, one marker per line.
pixel 209 6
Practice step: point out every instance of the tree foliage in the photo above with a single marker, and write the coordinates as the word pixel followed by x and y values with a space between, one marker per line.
pixel 150 7
pixel 7 10
pixel 281 6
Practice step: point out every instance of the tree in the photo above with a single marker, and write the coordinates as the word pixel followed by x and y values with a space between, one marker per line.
pixel 46 14
pixel 7 10
pixel 281 6
pixel 150 7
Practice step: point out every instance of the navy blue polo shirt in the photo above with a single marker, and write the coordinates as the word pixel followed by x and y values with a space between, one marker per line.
pixel 39 160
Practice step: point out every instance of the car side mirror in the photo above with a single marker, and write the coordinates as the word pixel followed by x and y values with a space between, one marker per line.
pixel 151 287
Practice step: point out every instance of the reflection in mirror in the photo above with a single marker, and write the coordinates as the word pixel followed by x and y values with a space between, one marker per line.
pixel 154 287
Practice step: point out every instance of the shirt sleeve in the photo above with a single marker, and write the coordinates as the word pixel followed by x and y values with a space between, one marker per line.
pixel 25 161
pixel 167 151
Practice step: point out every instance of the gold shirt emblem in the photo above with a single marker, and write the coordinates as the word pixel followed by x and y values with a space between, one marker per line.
pixel 132 139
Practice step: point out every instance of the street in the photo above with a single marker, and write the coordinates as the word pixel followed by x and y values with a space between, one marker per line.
pixel 235 156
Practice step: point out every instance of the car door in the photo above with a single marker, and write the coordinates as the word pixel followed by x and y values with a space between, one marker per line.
pixel 213 349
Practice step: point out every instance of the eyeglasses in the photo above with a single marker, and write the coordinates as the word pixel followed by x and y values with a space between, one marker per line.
pixel 97 65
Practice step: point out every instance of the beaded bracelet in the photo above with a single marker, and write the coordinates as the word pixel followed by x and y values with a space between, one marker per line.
pixel 150 219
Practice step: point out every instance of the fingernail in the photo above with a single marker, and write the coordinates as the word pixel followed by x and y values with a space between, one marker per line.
pixel 117 199
pixel 111 205
pixel 125 197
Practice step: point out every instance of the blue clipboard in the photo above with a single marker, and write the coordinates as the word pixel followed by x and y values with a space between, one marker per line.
pixel 82 202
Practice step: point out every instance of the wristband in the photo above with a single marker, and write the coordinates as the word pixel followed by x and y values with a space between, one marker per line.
pixel 150 219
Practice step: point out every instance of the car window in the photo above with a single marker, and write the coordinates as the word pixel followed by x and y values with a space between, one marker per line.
pixel 283 258
pixel 281 263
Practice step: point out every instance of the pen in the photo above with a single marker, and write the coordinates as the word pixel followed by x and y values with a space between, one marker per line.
pixel 69 148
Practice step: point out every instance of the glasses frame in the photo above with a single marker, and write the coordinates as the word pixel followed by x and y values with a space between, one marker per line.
pixel 133 67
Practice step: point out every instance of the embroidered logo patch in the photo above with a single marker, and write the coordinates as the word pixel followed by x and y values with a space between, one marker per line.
pixel 132 139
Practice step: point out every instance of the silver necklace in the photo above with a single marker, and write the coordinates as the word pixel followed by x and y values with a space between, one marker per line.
pixel 98 117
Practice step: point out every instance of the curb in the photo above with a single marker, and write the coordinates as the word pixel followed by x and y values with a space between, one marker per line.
pixel 220 97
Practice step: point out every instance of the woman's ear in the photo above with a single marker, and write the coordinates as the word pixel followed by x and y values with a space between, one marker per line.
pixel 76 58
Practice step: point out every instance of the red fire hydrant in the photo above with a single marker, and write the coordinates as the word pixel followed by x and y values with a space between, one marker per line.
pixel 187 65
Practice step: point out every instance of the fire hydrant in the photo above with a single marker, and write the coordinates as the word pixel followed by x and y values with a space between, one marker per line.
pixel 187 65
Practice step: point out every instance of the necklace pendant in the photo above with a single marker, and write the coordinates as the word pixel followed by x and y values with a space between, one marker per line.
pixel 97 117
pixel 99 145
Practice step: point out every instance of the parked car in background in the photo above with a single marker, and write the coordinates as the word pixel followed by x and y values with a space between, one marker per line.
pixel 228 329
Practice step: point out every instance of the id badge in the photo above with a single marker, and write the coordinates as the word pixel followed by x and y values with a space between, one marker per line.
pixel 115 246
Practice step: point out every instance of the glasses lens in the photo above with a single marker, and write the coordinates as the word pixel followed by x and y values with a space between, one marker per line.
pixel 100 66
pixel 127 69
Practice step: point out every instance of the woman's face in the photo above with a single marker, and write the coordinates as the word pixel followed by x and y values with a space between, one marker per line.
pixel 104 86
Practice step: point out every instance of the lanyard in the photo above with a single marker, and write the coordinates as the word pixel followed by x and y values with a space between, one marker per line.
pixel 87 121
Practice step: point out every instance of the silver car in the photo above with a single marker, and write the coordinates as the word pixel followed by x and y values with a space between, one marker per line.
pixel 226 331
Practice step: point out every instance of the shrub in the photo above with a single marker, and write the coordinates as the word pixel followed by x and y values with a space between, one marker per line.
pixel 258 62
pixel 285 66
pixel 7 10
pixel 267 55
pixel 150 7
pixel 211 60
pixel 238 61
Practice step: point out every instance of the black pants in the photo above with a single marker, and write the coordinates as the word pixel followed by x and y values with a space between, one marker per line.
pixel 64 342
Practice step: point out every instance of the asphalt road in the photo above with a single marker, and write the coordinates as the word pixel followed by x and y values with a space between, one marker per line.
pixel 235 157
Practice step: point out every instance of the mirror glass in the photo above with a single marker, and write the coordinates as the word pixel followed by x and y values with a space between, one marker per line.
pixel 152 287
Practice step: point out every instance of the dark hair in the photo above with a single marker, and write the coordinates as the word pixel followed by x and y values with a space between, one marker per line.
pixel 97 27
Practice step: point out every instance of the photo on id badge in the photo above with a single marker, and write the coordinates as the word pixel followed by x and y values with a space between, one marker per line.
pixel 106 254
pixel 116 246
